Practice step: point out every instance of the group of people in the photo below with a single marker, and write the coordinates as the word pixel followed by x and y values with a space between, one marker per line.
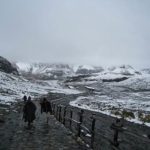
pixel 29 109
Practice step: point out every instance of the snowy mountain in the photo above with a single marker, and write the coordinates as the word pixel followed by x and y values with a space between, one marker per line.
pixel 146 71
pixel 79 73
pixel 123 69
pixel 87 69
pixel 53 71
pixel 14 87
pixel 45 70
pixel 60 69
pixel 111 74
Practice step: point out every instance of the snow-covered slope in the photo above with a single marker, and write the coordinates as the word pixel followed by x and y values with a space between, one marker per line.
pixel 57 69
pixel 51 71
pixel 13 87
pixel 146 71
pixel 63 70
pixel 123 69
pixel 115 74
pixel 130 97
pixel 88 69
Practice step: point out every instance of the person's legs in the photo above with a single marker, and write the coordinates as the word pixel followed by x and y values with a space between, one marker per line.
pixel 29 124
pixel 47 117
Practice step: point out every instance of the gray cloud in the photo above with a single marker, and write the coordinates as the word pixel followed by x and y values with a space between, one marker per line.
pixel 76 31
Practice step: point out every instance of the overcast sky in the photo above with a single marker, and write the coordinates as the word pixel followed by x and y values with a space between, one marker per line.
pixel 99 32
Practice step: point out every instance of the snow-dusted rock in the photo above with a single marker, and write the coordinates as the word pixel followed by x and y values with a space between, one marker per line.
pixel 7 67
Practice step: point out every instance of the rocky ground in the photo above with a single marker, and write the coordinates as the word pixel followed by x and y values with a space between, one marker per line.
pixel 15 135
pixel 134 136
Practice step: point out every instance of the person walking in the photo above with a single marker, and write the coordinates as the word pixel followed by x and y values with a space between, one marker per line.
pixel 29 111
pixel 25 98
pixel 46 108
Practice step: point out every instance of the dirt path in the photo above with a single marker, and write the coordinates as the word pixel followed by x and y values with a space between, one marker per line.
pixel 14 134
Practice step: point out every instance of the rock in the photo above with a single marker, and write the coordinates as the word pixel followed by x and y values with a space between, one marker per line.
pixel 2 121
pixel 85 69
pixel 7 67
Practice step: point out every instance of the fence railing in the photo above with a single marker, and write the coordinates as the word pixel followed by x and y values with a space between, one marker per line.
pixel 73 119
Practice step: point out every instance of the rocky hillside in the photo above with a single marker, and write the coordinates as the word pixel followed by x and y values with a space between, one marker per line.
pixel 44 70
pixel 86 69
pixel 146 71
pixel 123 69
pixel 7 67
pixel 65 69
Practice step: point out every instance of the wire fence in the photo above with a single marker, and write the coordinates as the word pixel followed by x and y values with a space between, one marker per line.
pixel 86 128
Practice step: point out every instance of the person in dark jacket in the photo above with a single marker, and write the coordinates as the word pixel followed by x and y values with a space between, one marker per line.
pixel 25 98
pixel 46 108
pixel 29 111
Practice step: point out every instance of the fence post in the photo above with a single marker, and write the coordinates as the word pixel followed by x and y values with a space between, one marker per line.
pixel 54 109
pixel 93 130
pixel 80 122
pixel 59 113
pixel 71 113
pixel 64 118
pixel 116 137
pixel 52 106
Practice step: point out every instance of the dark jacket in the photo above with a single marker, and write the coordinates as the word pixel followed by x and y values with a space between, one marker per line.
pixel 46 107
pixel 25 99
pixel 29 111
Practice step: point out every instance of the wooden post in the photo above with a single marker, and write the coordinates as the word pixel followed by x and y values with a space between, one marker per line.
pixel 116 138
pixel 80 122
pixel 93 130
pixel 64 118
pixel 54 109
pixel 71 113
pixel 52 106
pixel 59 113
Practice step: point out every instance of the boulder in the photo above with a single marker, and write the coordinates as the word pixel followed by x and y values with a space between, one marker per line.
pixel 7 67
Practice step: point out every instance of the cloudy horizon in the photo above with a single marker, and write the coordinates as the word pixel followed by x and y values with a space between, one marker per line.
pixel 97 32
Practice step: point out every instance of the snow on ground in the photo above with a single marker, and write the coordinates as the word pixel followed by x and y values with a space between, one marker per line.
pixel 88 67
pixel 13 88
pixel 137 82
pixel 23 66
pixel 104 75
pixel 57 87
pixel 66 91
pixel 123 69
pixel 132 95
pixel 44 68
pixel 107 105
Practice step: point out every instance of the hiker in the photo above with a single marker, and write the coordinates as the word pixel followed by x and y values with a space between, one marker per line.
pixel 25 98
pixel 46 107
pixel 117 127
pixel 29 111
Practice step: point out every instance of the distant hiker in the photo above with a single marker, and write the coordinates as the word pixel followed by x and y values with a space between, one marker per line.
pixel 29 111
pixel 25 98
pixel 46 107
pixel 117 127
